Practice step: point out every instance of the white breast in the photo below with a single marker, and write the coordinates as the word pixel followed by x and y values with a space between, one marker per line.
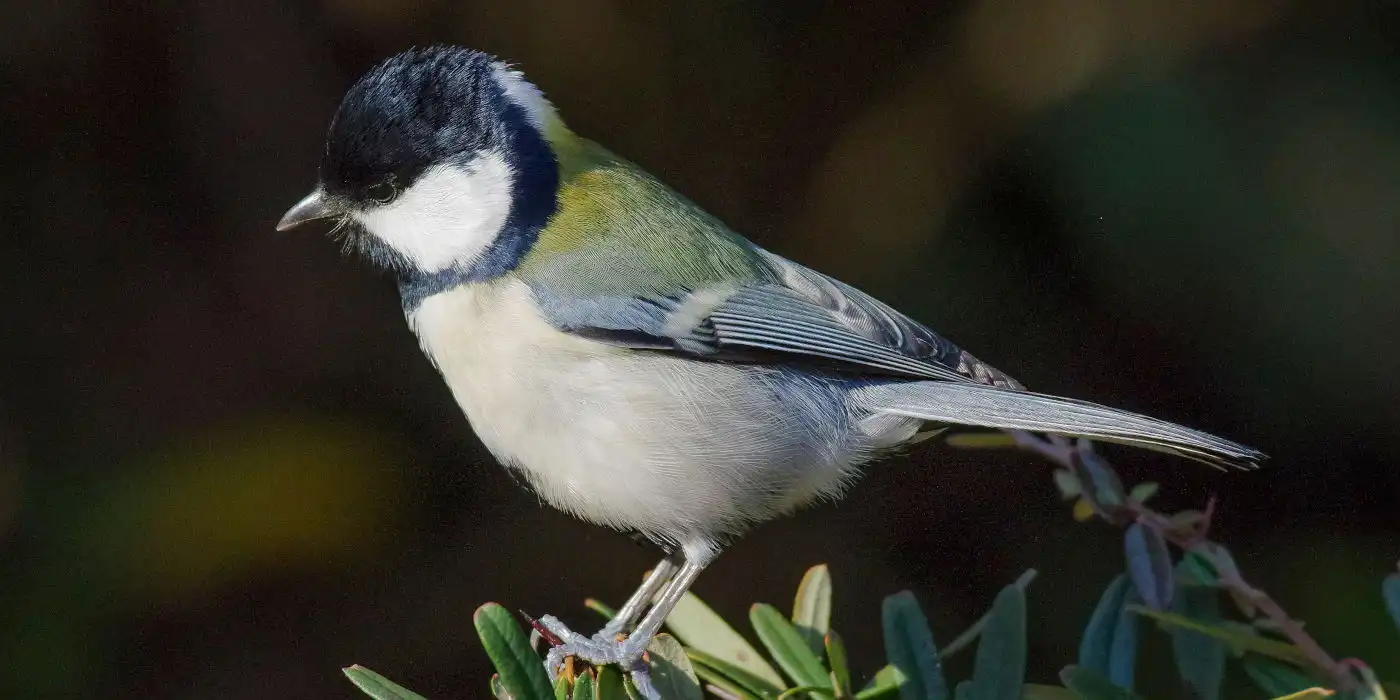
pixel 633 440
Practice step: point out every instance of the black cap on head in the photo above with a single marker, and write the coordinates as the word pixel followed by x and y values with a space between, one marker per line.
pixel 418 109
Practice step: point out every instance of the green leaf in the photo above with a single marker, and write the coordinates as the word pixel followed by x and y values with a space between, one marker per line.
pixel 1067 484
pixel 1093 686
pixel 1000 668
pixel 753 683
pixel 1109 645
pixel 969 635
pixel 840 669
pixel 1150 565
pixel 598 606
pixel 1276 678
pixel 1196 570
pixel 699 628
pixel 1310 694
pixel 1101 485
pixel 910 648
pixel 1390 590
pixel 610 684
pixel 1143 492
pixel 631 689
pixel 561 687
pixel 787 647
pixel 584 687
pixel 886 684
pixel 522 672
pixel 1200 660
pixel 815 691
pixel 671 671
pixel 1036 691
pixel 713 678
pixel 1236 639
pixel 377 686
pixel 811 609
pixel 981 440
pixel 1370 685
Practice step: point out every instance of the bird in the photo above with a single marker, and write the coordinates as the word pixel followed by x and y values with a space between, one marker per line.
pixel 640 364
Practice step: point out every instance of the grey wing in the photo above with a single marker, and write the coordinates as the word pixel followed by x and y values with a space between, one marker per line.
pixel 792 314
pixel 879 321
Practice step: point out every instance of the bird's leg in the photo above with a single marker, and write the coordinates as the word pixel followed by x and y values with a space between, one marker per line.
pixel 633 608
pixel 628 652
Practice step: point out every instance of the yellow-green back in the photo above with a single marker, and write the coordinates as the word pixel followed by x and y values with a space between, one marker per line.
pixel 620 230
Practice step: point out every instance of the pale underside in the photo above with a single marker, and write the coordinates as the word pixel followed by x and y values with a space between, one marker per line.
pixel 675 448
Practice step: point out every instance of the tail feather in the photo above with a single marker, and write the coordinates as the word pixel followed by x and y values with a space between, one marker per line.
pixel 992 407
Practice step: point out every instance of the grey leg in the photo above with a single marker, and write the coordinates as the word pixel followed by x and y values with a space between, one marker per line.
pixel 632 609
pixel 628 653
pixel 636 643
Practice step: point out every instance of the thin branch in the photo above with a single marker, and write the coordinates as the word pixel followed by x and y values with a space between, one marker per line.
pixel 1059 450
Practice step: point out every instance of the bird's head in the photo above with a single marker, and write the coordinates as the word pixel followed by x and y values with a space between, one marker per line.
pixel 437 163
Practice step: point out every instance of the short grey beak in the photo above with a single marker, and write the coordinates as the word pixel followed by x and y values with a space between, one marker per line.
pixel 314 206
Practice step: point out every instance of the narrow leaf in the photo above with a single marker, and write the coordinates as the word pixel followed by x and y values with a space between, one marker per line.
pixel 377 686
pixel 811 609
pixel 1109 645
pixel 1200 660
pixel 1143 492
pixel 1036 691
pixel 750 682
pixel 1000 668
pixel 1196 570
pixel 700 628
pixel 671 671
pixel 1067 484
pixel 1276 678
pixel 787 646
pixel 610 684
pixel 969 635
pixel 1150 565
pixel 561 687
pixel 1093 686
pixel 886 679
pixel 1236 639
pixel 522 673
pixel 910 648
pixel 584 687
pixel 840 670
pixel 715 679
pixel 816 691
pixel 1390 590
pixel 598 606
pixel 1370 685
pixel 981 440
pixel 1101 485
pixel 1310 694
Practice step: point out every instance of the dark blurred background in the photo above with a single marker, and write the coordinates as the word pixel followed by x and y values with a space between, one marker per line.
pixel 226 470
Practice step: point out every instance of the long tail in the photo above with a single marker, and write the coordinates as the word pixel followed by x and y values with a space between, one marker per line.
pixel 992 407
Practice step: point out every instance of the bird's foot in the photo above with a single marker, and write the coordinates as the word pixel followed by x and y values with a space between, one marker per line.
pixel 601 649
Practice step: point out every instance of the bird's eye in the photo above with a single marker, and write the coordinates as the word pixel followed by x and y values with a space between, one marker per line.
pixel 383 192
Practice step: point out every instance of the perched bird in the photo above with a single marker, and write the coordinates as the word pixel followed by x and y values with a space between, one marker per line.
pixel 640 364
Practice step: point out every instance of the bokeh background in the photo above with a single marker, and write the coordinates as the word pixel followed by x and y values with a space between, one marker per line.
pixel 226 471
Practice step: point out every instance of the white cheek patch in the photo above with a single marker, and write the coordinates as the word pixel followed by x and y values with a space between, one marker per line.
pixel 449 216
